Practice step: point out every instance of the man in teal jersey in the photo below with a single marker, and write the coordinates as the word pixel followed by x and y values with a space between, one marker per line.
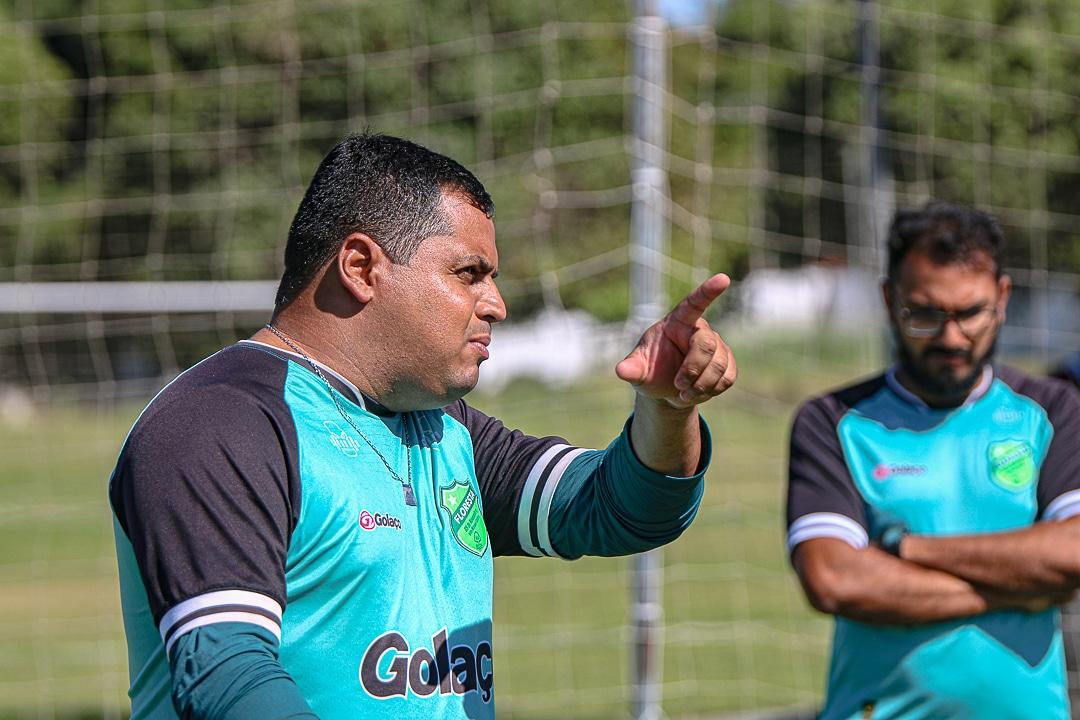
pixel 305 521
pixel 933 509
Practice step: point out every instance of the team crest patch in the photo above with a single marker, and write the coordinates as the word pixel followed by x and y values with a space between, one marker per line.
pixel 466 518
pixel 1012 464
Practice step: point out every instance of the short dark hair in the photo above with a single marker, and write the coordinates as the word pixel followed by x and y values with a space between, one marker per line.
pixel 385 187
pixel 947 232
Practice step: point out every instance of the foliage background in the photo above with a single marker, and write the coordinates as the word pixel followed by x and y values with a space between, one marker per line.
pixel 171 140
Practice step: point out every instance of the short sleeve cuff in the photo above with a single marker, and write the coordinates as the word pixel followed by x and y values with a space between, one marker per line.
pixel 221 606
pixel 826 524
pixel 1064 506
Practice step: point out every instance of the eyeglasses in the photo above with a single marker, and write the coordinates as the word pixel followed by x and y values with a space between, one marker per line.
pixel 930 321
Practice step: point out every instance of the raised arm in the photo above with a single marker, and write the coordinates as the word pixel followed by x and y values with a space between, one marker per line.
pixel 678 363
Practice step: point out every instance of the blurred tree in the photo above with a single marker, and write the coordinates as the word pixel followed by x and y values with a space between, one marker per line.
pixel 174 144
pixel 979 100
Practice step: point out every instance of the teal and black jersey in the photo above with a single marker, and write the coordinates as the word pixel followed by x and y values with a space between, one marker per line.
pixel 242 494
pixel 874 455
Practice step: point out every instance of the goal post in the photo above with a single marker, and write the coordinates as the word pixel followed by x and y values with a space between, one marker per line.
pixel 152 155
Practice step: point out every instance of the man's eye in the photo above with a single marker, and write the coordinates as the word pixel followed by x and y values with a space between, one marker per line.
pixel 469 273
pixel 970 312
pixel 926 315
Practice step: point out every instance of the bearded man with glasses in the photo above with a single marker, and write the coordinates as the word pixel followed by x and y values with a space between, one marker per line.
pixel 933 509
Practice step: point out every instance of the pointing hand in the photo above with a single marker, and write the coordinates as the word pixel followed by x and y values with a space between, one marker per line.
pixel 680 359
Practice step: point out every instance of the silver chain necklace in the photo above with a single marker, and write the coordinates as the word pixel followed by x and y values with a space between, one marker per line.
pixel 406 483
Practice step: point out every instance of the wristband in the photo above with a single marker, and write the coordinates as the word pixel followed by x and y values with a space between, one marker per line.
pixel 892 537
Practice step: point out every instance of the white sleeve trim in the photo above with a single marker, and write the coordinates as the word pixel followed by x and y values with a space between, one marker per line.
pixel 825 524
pixel 544 513
pixel 220 618
pixel 526 501
pixel 217 607
pixel 1064 506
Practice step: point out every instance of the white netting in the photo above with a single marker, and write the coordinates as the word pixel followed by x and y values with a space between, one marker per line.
pixel 153 142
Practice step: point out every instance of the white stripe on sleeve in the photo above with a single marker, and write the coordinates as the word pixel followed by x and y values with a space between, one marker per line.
pixel 544 512
pixel 220 606
pixel 526 500
pixel 205 620
pixel 826 524
pixel 1064 506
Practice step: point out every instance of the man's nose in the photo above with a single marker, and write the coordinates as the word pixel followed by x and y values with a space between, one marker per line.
pixel 491 307
pixel 952 336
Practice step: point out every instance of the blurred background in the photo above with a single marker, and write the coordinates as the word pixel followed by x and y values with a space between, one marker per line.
pixel 152 154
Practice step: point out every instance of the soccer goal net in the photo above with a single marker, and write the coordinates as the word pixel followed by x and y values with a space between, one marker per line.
pixel 152 154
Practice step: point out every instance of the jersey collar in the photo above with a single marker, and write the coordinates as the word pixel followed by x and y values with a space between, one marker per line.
pixel 975 395
pixel 356 396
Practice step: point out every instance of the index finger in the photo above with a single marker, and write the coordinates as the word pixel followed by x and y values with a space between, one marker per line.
pixel 693 306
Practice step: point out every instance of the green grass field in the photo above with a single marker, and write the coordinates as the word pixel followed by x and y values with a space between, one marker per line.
pixel 738 634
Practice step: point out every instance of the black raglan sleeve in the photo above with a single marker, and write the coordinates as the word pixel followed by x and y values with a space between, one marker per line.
pixel 206 493
pixel 822 499
pixel 1058 491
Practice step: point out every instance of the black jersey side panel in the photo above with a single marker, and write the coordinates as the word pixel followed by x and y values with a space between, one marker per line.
pixel 209 475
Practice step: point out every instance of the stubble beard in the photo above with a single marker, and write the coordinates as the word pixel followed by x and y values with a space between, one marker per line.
pixel 940 384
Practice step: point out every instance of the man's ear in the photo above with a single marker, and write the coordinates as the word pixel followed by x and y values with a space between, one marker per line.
pixel 887 295
pixel 359 262
pixel 1004 292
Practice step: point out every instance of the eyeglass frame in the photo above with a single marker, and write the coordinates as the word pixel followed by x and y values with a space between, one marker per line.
pixel 904 313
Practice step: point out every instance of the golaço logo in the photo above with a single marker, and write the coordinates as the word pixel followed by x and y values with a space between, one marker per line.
pixel 391 668
pixel 884 472
pixel 378 520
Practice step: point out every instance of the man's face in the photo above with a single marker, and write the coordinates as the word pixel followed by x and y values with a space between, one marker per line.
pixel 440 307
pixel 945 320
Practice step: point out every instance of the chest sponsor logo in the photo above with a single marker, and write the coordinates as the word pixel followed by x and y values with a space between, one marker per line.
pixel 1012 464
pixel 391 668
pixel 466 518
pixel 342 440
pixel 883 471
pixel 378 520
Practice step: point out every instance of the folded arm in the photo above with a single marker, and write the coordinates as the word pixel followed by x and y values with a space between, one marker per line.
pixel 870 585
pixel 1041 559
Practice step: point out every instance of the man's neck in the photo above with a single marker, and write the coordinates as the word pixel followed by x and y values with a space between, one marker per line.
pixel 978 386
pixel 311 345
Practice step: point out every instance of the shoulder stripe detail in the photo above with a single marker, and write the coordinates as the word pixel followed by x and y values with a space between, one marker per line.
pixel 826 524
pixel 529 497
pixel 220 606
pixel 1063 507
pixel 544 512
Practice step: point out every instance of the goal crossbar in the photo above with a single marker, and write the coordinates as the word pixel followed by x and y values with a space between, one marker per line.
pixel 137 297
